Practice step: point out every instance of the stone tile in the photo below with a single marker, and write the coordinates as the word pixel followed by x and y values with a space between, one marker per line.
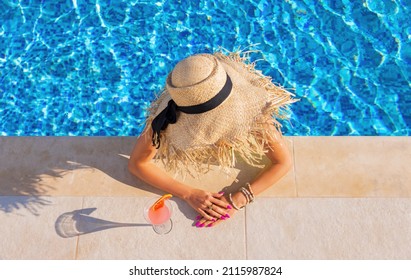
pixel 28 228
pixel 329 228
pixel 68 166
pixel 128 236
pixel 353 166
pixel 87 166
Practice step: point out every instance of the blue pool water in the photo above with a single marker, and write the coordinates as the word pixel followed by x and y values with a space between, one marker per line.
pixel 82 67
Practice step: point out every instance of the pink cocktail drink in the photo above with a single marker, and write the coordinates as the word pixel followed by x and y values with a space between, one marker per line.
pixel 158 213
pixel 159 216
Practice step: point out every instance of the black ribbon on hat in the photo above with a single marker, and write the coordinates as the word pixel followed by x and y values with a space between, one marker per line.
pixel 169 114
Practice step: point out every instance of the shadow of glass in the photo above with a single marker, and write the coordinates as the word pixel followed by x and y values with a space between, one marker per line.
pixel 78 222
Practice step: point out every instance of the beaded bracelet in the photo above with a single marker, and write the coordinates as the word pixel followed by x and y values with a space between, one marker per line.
pixel 247 194
pixel 248 185
pixel 244 192
pixel 233 204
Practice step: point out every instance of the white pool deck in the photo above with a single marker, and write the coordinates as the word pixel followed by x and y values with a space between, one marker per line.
pixel 72 198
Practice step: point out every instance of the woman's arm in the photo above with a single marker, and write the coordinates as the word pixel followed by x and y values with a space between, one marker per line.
pixel 281 163
pixel 141 165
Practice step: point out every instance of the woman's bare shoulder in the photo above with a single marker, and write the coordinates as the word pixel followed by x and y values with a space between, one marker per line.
pixel 143 149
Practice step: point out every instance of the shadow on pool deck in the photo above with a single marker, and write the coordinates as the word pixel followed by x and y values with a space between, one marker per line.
pixel 35 168
pixel 346 198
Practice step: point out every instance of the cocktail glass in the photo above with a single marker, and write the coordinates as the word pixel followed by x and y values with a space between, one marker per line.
pixel 159 218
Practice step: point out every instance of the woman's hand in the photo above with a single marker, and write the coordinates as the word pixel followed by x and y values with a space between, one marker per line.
pixel 211 206
pixel 239 200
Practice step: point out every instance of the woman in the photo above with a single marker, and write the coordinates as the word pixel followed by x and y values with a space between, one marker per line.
pixel 214 107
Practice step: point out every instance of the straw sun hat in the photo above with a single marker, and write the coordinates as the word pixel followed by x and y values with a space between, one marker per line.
pixel 214 107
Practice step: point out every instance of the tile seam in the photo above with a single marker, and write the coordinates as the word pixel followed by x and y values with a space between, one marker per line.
pixel 245 234
pixel 78 236
pixel 295 169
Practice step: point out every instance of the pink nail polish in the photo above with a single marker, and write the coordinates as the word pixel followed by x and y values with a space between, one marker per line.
pixel 221 192
pixel 198 217
pixel 227 216
pixel 213 220
pixel 210 225
pixel 202 225
pixel 223 218
pixel 229 206
pixel 198 224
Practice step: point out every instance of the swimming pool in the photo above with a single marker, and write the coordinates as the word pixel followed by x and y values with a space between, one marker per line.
pixel 81 67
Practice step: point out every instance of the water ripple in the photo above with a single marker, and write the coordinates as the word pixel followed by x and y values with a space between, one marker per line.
pixel 91 67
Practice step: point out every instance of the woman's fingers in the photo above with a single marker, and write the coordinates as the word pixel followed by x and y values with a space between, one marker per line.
pixel 215 206
pixel 202 221
pixel 212 207
pixel 217 211
pixel 205 221
pixel 217 200
pixel 211 212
